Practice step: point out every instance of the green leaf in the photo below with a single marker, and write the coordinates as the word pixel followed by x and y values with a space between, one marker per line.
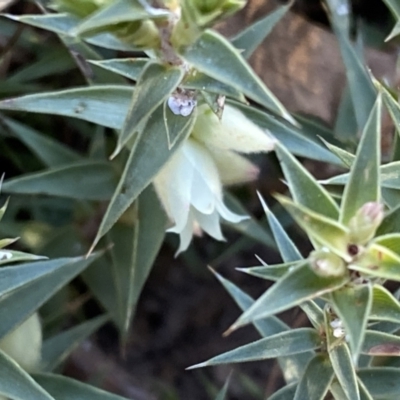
pixel 48 150
pixel 394 7
pixel 251 37
pixel 282 344
pixel 382 383
pixel 292 137
pixel 12 256
pixel 114 13
pixel 304 187
pixel 63 388
pixel 57 348
pixel 21 302
pixel 326 231
pixel 361 88
pixel 134 251
pixel 292 367
pixel 90 180
pixel 364 393
pixel 216 57
pixel 391 241
pixel 224 391
pixel 378 261
pixel 154 85
pixel 363 184
pixel 145 160
pixel 272 272
pixel 286 393
pixel 346 128
pixel 346 157
pixel 395 32
pixel 17 384
pixel 316 379
pixel 292 289
pixel 287 249
pixel 385 306
pixel 390 222
pixel 381 344
pixel 354 318
pixel 104 105
pixel 342 365
pixel 63 24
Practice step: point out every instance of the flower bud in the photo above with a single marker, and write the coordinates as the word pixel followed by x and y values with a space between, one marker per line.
pixel 325 263
pixel 24 344
pixel 365 222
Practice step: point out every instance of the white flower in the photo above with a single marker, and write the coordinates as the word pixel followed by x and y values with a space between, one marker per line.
pixel 190 184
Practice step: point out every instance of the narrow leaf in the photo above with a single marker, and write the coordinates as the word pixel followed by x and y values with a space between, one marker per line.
pixel 17 384
pixel 63 388
pixel 104 105
pixel 382 383
pixel 145 160
pixel 154 85
pixel 81 181
pixel 216 57
pixel 286 393
pixel 326 231
pixel 385 306
pixel 294 288
pixel 57 348
pixel 282 344
pixel 354 318
pixel 316 379
pixel 251 37
pixel 381 344
pixel 304 187
pixel 363 184
pixel 272 272
pixel 224 391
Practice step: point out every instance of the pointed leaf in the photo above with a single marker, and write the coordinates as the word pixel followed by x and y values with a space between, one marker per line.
pixel 103 105
pixel 146 159
pixel 16 306
pixel 394 7
pixel 251 37
pixel 381 344
pixel 361 88
pixel 391 241
pixel 17 384
pixel 346 127
pixel 294 288
pixel 385 306
pixel 272 272
pixel 224 391
pixel 82 181
pixel 130 68
pixel 48 150
pixel 57 348
pixel 390 222
pixel 63 388
pixel 316 380
pixel 135 248
pixel 326 231
pixel 286 393
pixel 216 57
pixel 12 256
pixel 363 184
pixel 154 85
pixel 292 367
pixel 287 249
pixel 282 344
pixel 114 13
pixel 346 157
pixel 354 318
pixel 304 187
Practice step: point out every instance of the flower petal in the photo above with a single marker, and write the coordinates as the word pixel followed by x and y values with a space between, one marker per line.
pixel 210 224
pixel 185 234
pixel 229 215
pixel 233 168
pixel 233 132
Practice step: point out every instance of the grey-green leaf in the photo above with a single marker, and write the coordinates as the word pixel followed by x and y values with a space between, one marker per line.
pixel 17 384
pixel 382 383
pixel 90 180
pixel 58 347
pixel 354 318
pixel 63 388
pixel 364 184
pixel 282 344
pixel 251 37
pixel 316 379
pixel 385 306
pixel 216 57
pixel 146 159
pixel 155 84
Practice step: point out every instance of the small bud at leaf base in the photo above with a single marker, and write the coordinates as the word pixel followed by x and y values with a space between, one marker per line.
pixel 24 344
pixel 325 263
pixel 365 223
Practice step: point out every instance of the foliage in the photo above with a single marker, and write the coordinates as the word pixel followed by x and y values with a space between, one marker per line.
pixel 160 131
